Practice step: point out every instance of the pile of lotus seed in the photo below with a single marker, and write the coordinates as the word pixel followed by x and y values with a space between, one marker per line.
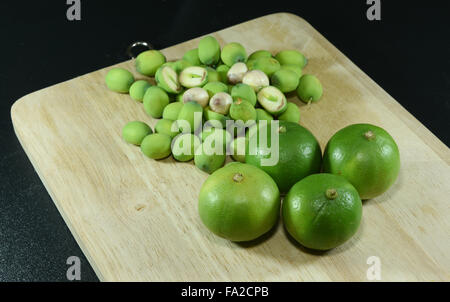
pixel 218 84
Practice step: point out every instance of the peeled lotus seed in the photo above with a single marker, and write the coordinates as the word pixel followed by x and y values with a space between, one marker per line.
pixel 198 95
pixel 221 103
pixel 256 79
pixel 237 72
pixel 193 76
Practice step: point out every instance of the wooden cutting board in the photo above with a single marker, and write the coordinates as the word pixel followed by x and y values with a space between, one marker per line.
pixel 136 219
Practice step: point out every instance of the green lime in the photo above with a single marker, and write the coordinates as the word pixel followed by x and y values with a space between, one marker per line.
pixel 322 211
pixel 239 202
pixel 366 155
pixel 297 156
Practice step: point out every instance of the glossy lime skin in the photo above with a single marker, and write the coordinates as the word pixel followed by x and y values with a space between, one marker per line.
pixel 299 155
pixel 138 89
pixel 371 164
pixel 119 80
pixel 317 221
pixel 134 132
pixel 239 202
pixel 155 100
pixel 156 146
pixel 148 62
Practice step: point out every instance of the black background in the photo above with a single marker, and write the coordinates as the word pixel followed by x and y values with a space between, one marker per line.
pixel 406 53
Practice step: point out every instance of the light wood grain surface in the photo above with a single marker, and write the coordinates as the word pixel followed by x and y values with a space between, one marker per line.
pixel 136 219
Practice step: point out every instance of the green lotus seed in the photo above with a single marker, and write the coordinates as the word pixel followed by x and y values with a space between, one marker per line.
pixel 292 113
pixel 238 148
pixel 193 76
pixel 208 161
pixel 266 65
pixel 119 80
pixel 214 116
pixel 215 87
pixel 245 92
pixel 222 70
pixel 295 68
pixel 184 145
pixel 192 57
pixel 172 110
pixel 250 64
pixel 190 117
pixel 165 127
pixel 285 80
pixel 213 75
pixel 156 146
pixel 291 57
pixel 155 100
pixel 272 100
pixel 179 65
pixel 260 54
pixel 135 132
pixel 242 110
pixel 233 53
pixel 148 62
pixel 179 97
pixel 309 89
pixel 167 78
pixel 263 115
pixel 138 89
pixel 209 50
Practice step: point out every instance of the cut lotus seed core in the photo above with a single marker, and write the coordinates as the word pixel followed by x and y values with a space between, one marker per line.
pixel 221 102
pixel 369 135
pixel 170 77
pixel 331 194
pixel 238 177
pixel 272 99
pixel 193 76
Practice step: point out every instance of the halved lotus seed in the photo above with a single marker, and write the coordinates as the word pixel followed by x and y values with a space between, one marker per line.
pixel 236 73
pixel 167 78
pixel 198 95
pixel 221 102
pixel 256 79
pixel 193 76
pixel 272 100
